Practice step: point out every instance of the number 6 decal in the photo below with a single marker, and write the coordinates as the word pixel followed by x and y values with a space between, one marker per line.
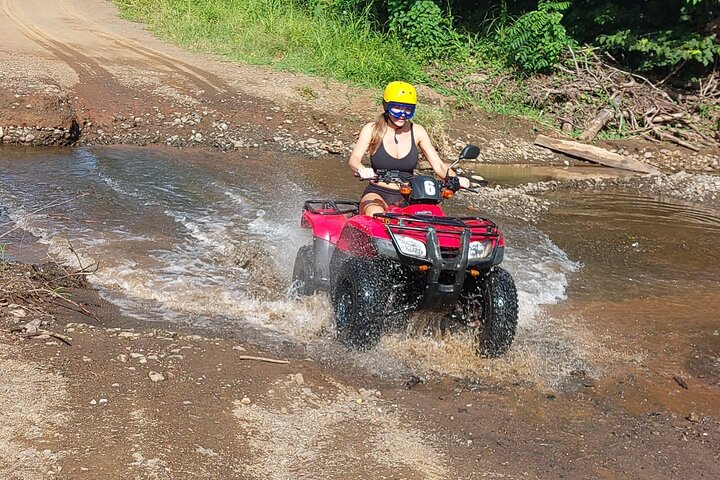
pixel 429 187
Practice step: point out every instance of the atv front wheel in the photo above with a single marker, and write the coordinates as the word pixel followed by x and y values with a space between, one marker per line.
pixel 491 305
pixel 359 297
pixel 304 271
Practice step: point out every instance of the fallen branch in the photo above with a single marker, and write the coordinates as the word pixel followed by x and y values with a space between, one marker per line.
pixel 263 359
pixel 594 154
pixel 672 138
pixel 62 338
pixel 597 124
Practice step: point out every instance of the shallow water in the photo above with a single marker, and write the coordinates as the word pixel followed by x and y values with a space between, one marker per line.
pixel 206 238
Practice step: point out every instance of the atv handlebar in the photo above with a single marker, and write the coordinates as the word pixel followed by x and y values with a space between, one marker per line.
pixel 399 178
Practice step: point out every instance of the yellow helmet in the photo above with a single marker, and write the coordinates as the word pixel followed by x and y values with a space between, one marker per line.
pixel 400 92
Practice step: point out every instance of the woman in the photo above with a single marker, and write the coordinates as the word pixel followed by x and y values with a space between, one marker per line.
pixel 394 143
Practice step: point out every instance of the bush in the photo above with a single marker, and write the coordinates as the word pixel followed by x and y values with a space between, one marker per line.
pixel 424 29
pixel 537 38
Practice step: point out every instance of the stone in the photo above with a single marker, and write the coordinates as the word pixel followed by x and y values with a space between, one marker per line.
pixel 156 377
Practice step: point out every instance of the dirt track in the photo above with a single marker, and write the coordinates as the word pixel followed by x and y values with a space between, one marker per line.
pixel 72 69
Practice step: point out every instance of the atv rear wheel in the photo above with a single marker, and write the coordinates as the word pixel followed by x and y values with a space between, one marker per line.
pixel 304 271
pixel 490 304
pixel 359 297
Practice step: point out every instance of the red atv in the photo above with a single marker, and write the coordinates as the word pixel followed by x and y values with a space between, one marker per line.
pixel 411 258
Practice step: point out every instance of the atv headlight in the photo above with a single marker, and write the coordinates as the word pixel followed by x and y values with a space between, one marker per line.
pixel 411 247
pixel 479 250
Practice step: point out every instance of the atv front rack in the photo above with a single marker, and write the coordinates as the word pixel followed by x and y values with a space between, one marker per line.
pixel 405 222
pixel 331 207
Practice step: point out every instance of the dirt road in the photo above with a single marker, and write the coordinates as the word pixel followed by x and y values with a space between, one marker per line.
pixel 130 400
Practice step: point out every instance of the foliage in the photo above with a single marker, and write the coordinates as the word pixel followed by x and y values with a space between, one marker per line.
pixel 662 49
pixel 683 40
pixel 283 33
pixel 425 30
pixel 469 49
pixel 536 39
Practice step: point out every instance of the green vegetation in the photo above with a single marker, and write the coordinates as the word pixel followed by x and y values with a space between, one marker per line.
pixel 2 252
pixel 485 53
pixel 288 34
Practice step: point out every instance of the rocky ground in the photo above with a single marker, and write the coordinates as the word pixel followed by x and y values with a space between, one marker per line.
pixel 87 393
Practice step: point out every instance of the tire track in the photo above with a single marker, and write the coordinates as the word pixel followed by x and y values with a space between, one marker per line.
pixel 210 82
pixel 80 63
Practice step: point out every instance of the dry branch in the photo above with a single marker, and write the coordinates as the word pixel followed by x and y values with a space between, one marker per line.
pixel 637 106
pixel 263 359
pixel 594 154
pixel 597 124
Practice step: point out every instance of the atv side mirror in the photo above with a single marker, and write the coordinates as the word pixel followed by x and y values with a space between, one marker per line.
pixel 470 152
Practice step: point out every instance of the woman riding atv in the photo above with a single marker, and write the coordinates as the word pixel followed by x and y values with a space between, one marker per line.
pixel 394 143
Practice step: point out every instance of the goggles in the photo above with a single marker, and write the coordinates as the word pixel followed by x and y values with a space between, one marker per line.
pixel 400 111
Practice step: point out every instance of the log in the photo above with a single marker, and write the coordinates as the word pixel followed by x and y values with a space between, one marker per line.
pixel 597 124
pixel 594 154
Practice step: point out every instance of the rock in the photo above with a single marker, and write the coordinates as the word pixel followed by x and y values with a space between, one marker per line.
pixel 239 348
pixel 156 377
pixel 298 378
pixel 246 401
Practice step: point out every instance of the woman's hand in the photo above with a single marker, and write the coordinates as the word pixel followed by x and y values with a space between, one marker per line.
pixel 367 173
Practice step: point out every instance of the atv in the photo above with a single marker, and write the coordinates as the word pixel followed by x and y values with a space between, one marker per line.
pixel 410 258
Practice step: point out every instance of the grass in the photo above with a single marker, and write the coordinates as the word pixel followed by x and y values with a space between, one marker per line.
pixel 280 33
pixel 3 249
pixel 348 47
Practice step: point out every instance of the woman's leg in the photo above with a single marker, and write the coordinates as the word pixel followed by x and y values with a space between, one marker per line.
pixel 372 203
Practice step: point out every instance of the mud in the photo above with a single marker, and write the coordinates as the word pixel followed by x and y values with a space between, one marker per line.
pixel 130 400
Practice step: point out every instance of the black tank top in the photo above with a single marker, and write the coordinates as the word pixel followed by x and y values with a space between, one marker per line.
pixel 382 160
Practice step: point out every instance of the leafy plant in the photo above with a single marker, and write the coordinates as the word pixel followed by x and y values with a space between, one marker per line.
pixel 536 39
pixel 307 92
pixel 424 29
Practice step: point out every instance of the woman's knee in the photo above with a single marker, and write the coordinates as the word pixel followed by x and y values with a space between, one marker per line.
pixel 372 203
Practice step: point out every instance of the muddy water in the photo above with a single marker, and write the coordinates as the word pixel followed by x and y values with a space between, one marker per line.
pixel 209 239
pixel 646 297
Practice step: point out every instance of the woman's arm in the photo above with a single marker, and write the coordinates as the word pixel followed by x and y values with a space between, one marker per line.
pixel 429 152
pixel 361 146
